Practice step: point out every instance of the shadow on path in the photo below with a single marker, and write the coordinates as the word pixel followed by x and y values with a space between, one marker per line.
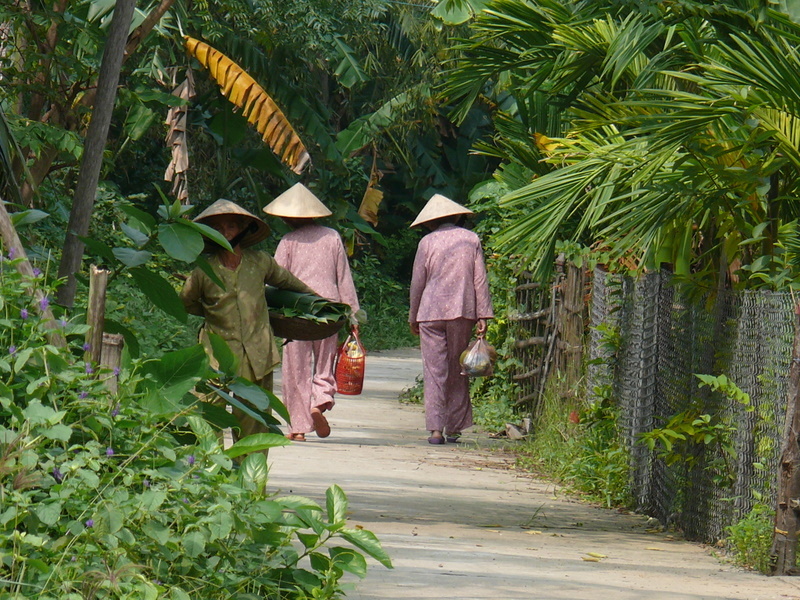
pixel 459 523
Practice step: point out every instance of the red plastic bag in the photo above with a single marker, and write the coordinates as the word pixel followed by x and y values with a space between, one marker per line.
pixel 351 360
pixel 478 359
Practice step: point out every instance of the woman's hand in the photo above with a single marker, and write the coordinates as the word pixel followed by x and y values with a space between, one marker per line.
pixel 414 328
pixel 481 326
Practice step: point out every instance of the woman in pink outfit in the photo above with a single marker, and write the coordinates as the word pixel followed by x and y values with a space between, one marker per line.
pixel 449 295
pixel 316 255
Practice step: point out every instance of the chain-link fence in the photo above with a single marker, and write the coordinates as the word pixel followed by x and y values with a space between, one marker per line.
pixel 652 340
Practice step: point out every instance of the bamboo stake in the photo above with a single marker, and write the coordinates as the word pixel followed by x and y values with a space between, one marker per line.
pixel 96 312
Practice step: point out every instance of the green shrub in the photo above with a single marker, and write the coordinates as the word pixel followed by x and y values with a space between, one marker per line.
pixel 131 495
pixel 750 539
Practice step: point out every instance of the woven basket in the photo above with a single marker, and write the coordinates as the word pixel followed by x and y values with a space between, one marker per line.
pixel 295 328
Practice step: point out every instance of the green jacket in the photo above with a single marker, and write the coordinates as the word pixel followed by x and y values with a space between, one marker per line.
pixel 239 313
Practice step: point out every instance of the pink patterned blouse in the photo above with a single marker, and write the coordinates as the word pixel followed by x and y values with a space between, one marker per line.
pixel 449 278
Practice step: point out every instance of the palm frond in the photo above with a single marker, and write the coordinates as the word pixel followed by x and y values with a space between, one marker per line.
pixel 256 105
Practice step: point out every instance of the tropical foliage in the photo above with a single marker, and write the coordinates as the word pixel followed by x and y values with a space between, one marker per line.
pixel 665 129
pixel 129 494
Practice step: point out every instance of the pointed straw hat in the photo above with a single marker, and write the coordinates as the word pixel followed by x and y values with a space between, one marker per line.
pixel 437 207
pixel 298 202
pixel 226 207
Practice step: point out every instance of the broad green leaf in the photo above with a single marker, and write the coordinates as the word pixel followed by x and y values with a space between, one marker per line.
pixel 138 237
pixel 309 540
pixel 349 560
pixel 180 241
pixel 367 542
pixel 336 503
pixel 261 398
pixel 111 518
pixel 256 443
pixel 132 258
pixel 27 217
pixel 296 502
pixel 452 12
pixel 99 248
pixel 160 292
pixel 254 470
pixel 22 358
pixel 142 218
pixel 176 593
pixel 58 432
pixel 176 373
pixel 349 70
pixel 194 543
pixel 48 513
pixel 209 232
pixel 206 436
pixel 206 268
pixel 151 500
pixel 138 120
pixel 222 353
pixel 157 531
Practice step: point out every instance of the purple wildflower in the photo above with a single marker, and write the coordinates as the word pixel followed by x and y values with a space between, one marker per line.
pixel 74 558
pixel 185 500
pixel 58 475
pixel 109 451
pixel 12 349
pixel 83 395
pixel 44 303
pixel 63 323
pixel 146 483
pixel 12 252
pixel 37 271
pixel 87 346
pixel 115 411
pixel 89 523
pixel 190 459
pixel 89 370
pixel 23 313
pixel 116 371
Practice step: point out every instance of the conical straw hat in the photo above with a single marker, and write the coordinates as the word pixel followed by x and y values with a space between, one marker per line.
pixel 437 207
pixel 226 207
pixel 299 202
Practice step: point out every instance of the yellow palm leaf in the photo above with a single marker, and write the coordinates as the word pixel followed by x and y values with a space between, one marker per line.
pixel 257 106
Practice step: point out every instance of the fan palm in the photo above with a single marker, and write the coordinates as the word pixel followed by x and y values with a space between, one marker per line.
pixel 681 133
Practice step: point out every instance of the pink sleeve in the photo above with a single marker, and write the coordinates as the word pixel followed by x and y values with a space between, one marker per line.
pixel 282 256
pixel 344 279
pixel 419 278
pixel 483 302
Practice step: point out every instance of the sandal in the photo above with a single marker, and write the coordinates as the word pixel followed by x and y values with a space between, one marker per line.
pixel 296 437
pixel 436 438
pixel 321 425
pixel 453 438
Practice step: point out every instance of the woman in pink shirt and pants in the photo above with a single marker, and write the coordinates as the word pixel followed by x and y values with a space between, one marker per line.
pixel 315 255
pixel 449 295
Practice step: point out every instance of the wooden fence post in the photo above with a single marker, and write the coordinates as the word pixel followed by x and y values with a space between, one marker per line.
pixel 783 554
pixel 111 357
pixel 96 312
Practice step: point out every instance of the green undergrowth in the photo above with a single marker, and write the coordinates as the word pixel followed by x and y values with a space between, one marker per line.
pixel 577 444
pixel 749 540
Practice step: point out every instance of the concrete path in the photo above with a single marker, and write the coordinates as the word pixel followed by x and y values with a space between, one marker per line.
pixel 460 523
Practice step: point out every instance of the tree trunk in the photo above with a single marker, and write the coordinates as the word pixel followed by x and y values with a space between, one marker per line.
pixel 783 554
pixel 92 161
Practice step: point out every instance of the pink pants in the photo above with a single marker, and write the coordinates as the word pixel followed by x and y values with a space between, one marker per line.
pixel 308 380
pixel 447 405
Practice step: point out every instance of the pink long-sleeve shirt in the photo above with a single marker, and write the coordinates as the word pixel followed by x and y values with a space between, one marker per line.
pixel 449 278
pixel 315 255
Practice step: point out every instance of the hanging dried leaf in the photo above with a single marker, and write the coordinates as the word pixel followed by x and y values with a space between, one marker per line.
pixel 177 141
pixel 372 196
pixel 257 106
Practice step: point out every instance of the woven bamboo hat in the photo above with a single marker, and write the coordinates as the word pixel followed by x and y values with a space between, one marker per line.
pixel 298 202
pixel 226 207
pixel 437 207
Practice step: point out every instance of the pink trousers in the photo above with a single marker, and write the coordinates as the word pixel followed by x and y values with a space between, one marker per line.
pixel 308 380
pixel 447 405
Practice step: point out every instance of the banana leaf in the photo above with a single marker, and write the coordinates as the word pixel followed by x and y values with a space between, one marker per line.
pixel 305 306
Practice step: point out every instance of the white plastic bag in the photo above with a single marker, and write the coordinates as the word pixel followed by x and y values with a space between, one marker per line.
pixel 478 359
